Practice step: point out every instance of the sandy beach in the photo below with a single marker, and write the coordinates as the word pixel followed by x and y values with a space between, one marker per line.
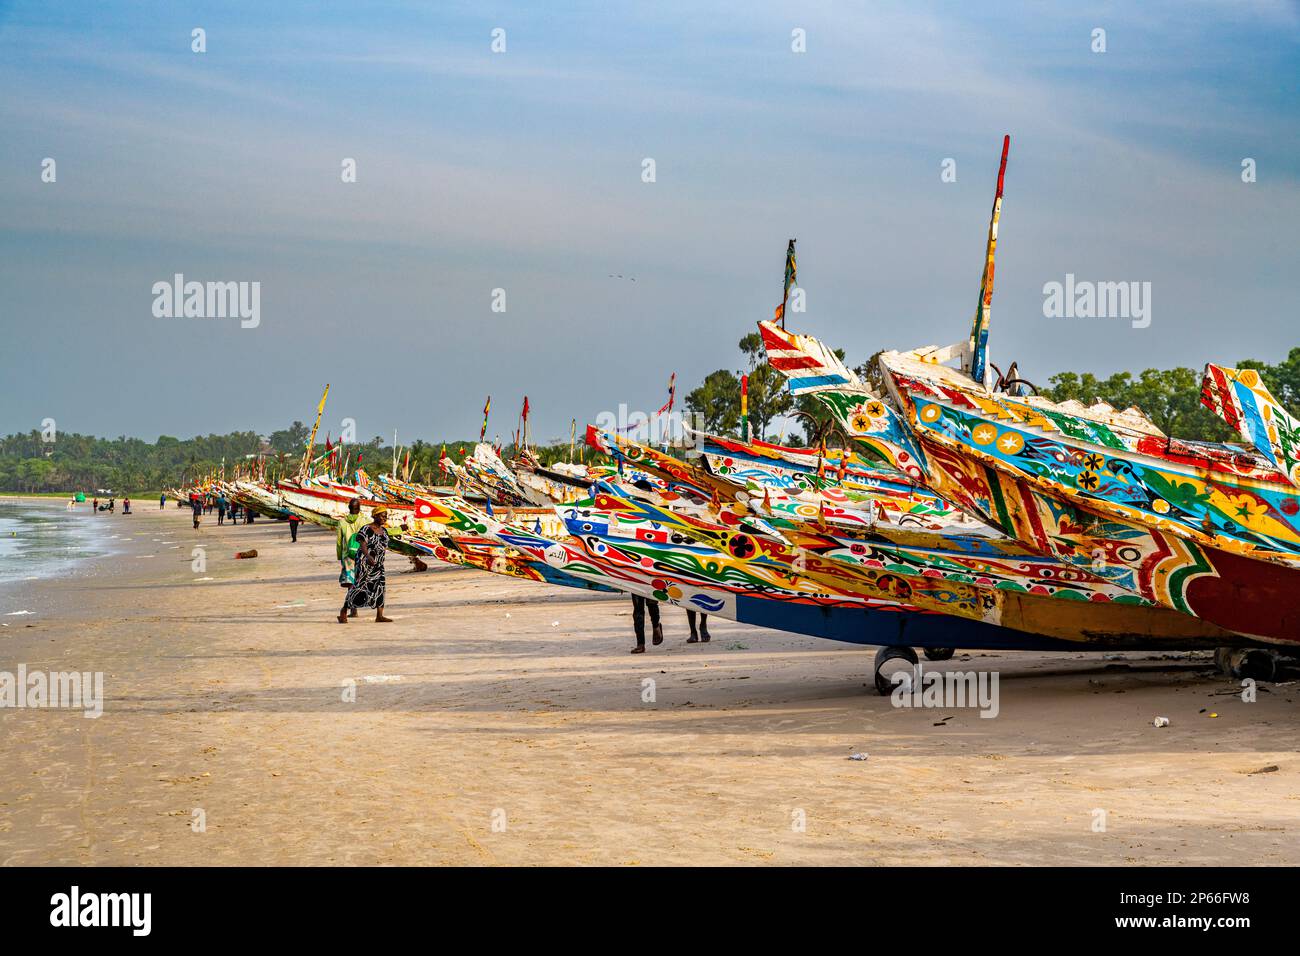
pixel 503 722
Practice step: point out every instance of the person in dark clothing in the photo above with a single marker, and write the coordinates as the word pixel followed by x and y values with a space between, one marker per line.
pixel 639 605
pixel 221 511
pixel 196 504
pixel 702 636
pixel 370 586
pixel 293 526
pixel 162 502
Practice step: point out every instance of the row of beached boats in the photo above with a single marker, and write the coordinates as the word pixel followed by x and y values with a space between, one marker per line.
pixel 971 514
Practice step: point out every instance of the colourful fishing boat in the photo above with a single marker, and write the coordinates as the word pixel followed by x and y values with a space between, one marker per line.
pixel 1205 529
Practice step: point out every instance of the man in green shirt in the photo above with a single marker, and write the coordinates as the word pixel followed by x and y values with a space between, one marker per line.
pixel 347 526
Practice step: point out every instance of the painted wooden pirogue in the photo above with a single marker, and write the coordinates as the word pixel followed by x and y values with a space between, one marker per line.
pixel 671 540
pixel 1207 529
pixel 606 547
pixel 978 577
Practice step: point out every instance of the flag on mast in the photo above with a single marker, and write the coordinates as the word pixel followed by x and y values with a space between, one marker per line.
pixel 672 394
pixel 791 277
pixel 487 407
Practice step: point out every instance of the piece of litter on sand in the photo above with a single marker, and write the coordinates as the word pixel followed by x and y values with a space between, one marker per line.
pixel 858 756
pixel 251 553
pixel 298 603
pixel 1160 722
pixel 381 678
pixel 555 624
pixel 1271 768
pixel 1212 714
pixel 507 615
pixel 17 613
pixel 205 579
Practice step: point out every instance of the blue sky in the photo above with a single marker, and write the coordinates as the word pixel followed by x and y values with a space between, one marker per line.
pixel 522 171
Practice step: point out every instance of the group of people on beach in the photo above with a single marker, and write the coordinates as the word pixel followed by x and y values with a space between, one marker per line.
pixel 201 504
pixel 361 544
pixel 109 506
pixel 640 605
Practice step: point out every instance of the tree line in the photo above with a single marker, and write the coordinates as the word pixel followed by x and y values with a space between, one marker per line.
pixel 71 462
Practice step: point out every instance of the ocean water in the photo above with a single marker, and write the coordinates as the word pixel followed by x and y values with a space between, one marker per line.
pixel 41 540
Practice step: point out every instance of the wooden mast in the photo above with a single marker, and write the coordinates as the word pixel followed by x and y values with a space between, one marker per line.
pixel 977 346
pixel 311 441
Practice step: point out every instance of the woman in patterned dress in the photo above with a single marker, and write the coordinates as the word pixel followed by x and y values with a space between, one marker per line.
pixel 368 590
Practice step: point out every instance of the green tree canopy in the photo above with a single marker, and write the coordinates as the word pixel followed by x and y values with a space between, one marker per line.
pixel 717 402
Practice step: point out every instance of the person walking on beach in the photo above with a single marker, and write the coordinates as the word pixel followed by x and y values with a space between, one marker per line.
pixel 221 510
pixel 639 605
pixel 702 636
pixel 368 591
pixel 94 506
pixel 126 506
pixel 162 501
pixel 293 526
pixel 196 504
pixel 347 526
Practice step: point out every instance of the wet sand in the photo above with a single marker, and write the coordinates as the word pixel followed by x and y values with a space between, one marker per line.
pixel 503 722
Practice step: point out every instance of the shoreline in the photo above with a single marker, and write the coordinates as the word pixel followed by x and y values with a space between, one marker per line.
pixel 69 553
pixel 496 701
pixel 59 496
